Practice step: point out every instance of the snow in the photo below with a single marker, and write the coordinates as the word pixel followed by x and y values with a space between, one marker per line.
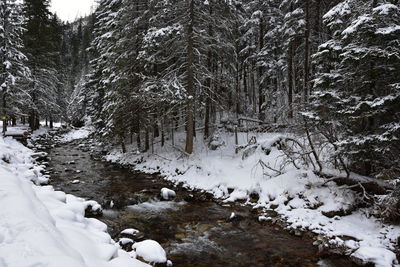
pixel 298 195
pixel 150 251
pixel 76 134
pixel 166 193
pixel 43 227
pixel 130 231
pixel 156 206
pixel 381 257
pixel 385 9
pixel 363 19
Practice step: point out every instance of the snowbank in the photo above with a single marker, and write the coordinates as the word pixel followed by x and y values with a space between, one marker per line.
pixel 41 226
pixel 306 201
pixel 150 251
pixel 76 134
pixel 167 194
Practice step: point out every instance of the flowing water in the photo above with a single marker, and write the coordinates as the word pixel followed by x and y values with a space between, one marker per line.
pixel 193 229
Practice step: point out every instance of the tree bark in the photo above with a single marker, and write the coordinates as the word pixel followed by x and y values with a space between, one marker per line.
pixel 307 52
pixel 261 96
pixel 190 81
pixel 4 112
pixel 147 140
pixel 138 141
pixel 290 79
pixel 208 82
pixel 51 122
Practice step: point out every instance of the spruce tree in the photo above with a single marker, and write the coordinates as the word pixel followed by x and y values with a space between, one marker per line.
pixel 13 70
pixel 357 92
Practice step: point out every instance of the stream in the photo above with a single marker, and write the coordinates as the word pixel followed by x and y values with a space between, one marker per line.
pixel 193 229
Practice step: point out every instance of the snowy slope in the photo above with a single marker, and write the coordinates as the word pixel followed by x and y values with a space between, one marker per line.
pixel 43 227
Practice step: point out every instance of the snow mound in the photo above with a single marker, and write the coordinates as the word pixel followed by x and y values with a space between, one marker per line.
pixel 151 251
pixel 166 193
pixel 75 134
pixel 130 231
pixel 379 256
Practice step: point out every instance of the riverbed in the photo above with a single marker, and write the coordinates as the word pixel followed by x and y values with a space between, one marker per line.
pixel 193 229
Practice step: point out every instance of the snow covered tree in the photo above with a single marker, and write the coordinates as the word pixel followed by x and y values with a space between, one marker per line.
pixel 13 72
pixel 357 97
pixel 100 78
pixel 41 49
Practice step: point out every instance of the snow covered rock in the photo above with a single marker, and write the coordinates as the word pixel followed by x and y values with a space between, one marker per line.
pixel 93 209
pixel 129 231
pixel 381 257
pixel 167 194
pixel 150 251
pixel 126 243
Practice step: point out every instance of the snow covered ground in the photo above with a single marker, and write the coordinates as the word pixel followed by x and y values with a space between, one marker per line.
pixel 297 195
pixel 43 227
pixel 76 134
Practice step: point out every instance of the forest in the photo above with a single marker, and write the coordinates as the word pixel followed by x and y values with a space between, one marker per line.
pixel 173 73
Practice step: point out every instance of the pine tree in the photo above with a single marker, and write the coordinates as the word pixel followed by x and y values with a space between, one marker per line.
pixel 13 72
pixel 357 87
pixel 41 50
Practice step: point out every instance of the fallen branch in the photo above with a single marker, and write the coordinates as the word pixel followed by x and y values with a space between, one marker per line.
pixel 366 187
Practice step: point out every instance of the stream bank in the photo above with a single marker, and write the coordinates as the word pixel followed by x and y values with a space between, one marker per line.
pixel 193 229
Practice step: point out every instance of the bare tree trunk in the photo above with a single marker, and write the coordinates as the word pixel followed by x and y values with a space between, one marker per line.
pixel 4 115
pixel 122 141
pixel 147 140
pixel 307 53
pixel 138 141
pixel 51 122
pixel 208 82
pixel 162 132
pixel 261 96
pixel 190 81
pixel 290 79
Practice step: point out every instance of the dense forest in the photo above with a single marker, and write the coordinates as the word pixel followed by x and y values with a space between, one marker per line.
pixel 145 69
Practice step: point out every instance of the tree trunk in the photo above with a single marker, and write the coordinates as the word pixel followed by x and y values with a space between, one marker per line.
pixel 261 97
pixel 37 122
pixel 32 120
pixel 123 145
pixel 307 53
pixel 138 141
pixel 147 140
pixel 162 133
pixel 190 81
pixel 4 115
pixel 290 79
pixel 51 122
pixel 208 83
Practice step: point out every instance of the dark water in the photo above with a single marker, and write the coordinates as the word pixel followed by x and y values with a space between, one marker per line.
pixel 194 231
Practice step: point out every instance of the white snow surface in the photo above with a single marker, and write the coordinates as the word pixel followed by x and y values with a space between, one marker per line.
pixel 130 231
pixel 167 194
pixel 75 134
pixel 43 227
pixel 299 196
pixel 151 251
